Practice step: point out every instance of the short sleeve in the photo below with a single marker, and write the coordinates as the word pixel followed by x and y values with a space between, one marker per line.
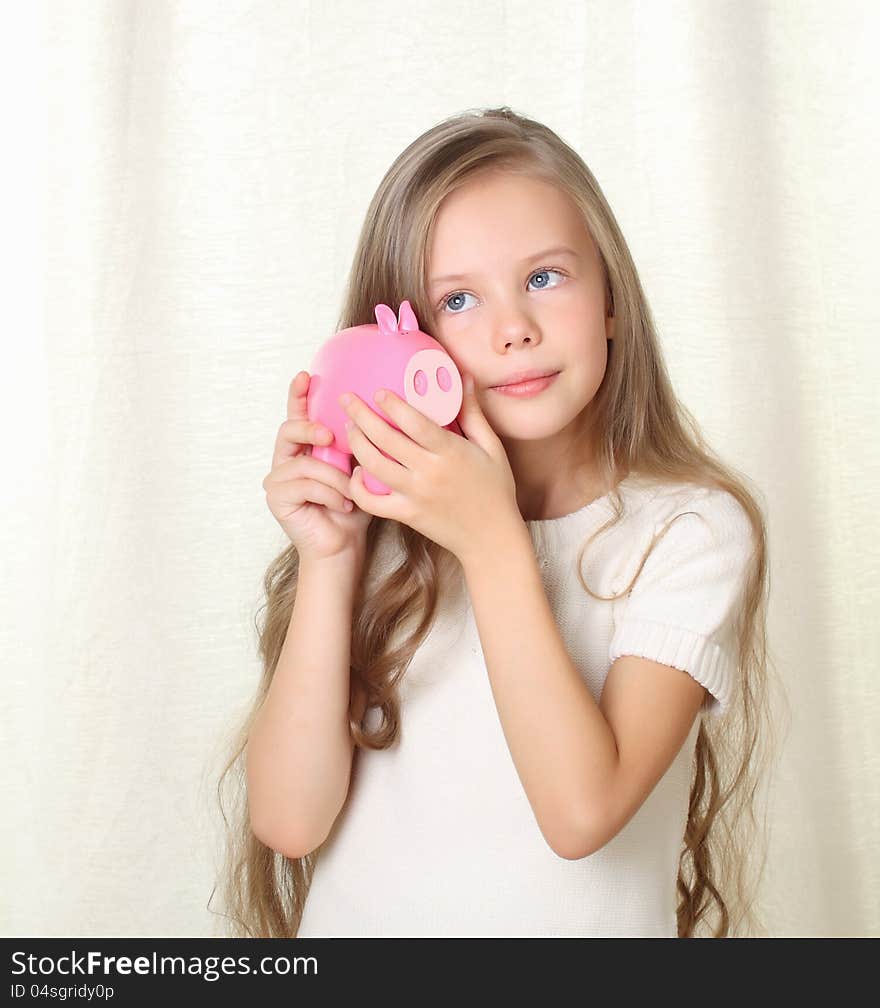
pixel 684 608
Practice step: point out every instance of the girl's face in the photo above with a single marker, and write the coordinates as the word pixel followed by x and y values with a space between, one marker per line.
pixel 514 306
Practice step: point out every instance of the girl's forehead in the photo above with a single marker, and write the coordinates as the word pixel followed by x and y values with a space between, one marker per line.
pixel 521 210
pixel 448 255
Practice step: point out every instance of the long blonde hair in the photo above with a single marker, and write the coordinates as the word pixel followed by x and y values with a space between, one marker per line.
pixel 643 429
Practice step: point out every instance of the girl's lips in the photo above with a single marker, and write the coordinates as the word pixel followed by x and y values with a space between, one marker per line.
pixel 527 388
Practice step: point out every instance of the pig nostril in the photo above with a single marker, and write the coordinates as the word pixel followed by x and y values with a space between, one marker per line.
pixel 444 379
pixel 420 381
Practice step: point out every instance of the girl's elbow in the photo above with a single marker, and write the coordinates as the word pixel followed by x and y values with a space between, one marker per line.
pixel 581 841
pixel 281 841
pixel 575 842
pixel 575 848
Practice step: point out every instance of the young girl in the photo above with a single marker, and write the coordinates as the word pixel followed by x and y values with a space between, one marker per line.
pixel 469 724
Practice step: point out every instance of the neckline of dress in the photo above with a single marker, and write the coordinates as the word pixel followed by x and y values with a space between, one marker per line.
pixel 572 516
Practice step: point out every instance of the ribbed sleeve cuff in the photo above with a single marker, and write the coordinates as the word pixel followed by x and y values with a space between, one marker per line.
pixel 683 649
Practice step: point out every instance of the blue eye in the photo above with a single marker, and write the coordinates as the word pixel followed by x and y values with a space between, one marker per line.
pixel 445 303
pixel 541 272
pixel 458 295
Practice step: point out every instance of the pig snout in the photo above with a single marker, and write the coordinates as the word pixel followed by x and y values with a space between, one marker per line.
pixel 432 384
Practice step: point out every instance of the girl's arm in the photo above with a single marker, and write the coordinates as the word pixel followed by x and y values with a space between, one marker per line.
pixel 586 768
pixel 299 752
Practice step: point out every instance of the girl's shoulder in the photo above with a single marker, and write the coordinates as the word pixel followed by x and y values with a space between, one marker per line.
pixel 667 496
pixel 654 504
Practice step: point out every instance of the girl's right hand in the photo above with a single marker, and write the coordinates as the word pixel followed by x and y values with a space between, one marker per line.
pixel 306 495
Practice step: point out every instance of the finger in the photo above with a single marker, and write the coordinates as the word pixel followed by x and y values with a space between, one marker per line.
pixel 380 505
pixel 382 434
pixel 373 458
pixel 296 397
pixel 473 423
pixel 294 436
pixel 308 467
pixel 293 493
pixel 420 429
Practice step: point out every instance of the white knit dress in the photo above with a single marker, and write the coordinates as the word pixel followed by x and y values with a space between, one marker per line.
pixel 437 837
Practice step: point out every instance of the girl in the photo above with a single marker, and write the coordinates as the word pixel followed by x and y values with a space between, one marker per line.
pixel 464 727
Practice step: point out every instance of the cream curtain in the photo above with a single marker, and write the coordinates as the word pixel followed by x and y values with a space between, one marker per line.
pixel 182 242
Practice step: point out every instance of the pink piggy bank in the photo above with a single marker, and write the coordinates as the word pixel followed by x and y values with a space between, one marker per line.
pixel 396 355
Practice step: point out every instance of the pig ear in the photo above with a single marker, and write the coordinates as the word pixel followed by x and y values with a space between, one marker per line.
pixel 408 321
pixel 385 318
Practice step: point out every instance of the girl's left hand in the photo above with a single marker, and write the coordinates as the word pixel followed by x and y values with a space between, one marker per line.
pixel 454 490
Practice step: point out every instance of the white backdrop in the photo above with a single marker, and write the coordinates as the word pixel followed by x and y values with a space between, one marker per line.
pixel 199 195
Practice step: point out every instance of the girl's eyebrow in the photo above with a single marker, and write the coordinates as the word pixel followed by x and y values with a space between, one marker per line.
pixel 555 250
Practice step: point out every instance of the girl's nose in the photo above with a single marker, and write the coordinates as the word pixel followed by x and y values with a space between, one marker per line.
pixel 515 329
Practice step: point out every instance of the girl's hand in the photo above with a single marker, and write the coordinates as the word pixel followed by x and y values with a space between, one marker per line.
pixel 307 496
pixel 449 488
